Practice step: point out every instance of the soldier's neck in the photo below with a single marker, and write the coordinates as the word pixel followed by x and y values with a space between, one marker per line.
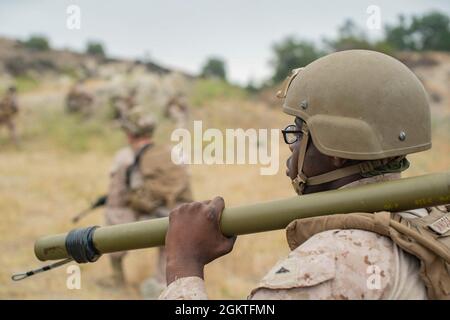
pixel 333 185
pixel 138 144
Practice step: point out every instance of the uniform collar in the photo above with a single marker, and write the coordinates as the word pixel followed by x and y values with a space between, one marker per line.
pixel 374 179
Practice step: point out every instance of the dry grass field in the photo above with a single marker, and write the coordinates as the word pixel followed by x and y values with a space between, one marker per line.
pixel 62 165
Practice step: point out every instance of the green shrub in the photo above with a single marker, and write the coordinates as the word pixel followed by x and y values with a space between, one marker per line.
pixel 95 48
pixel 37 42
pixel 50 127
pixel 25 83
pixel 206 90
pixel 214 68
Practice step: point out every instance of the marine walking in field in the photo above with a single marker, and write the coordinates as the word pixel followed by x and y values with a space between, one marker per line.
pixel 356 115
pixel 78 100
pixel 177 109
pixel 122 104
pixel 9 110
pixel 144 184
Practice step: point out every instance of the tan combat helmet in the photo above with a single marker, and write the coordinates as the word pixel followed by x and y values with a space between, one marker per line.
pixel 360 105
pixel 138 122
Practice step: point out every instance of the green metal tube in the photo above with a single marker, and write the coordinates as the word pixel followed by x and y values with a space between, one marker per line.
pixel 397 195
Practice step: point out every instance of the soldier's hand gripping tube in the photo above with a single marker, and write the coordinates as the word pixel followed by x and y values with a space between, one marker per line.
pixel 398 195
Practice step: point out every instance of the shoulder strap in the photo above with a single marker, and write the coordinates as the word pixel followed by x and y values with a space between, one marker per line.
pixel 136 162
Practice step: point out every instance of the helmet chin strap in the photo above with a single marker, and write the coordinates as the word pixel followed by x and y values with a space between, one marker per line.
pixel 301 181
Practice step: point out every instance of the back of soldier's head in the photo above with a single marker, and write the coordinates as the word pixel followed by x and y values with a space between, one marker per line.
pixel 138 122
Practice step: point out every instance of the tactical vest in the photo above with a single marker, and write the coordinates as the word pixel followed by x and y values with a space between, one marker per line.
pixel 427 238
pixel 163 183
pixel 8 108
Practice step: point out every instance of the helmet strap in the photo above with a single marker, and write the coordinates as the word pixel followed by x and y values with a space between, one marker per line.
pixel 362 167
pixel 301 181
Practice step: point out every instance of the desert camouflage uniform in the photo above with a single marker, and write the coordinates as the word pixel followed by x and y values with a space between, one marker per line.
pixel 177 109
pixel 126 204
pixel 79 101
pixel 8 110
pixel 335 264
pixel 117 209
pixel 121 105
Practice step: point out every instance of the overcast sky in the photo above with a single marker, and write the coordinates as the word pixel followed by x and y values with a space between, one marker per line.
pixel 182 33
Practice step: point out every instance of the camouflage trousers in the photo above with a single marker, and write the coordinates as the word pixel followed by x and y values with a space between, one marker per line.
pixel 11 127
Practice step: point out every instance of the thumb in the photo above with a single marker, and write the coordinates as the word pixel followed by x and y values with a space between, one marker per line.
pixel 228 244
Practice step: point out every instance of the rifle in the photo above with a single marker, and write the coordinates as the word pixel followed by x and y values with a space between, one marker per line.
pixel 101 201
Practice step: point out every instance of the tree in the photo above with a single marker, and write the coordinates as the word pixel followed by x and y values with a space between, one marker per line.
pixel 292 53
pixel 428 32
pixel 37 42
pixel 399 36
pixel 95 48
pixel 350 36
pixel 214 67
pixel 432 31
